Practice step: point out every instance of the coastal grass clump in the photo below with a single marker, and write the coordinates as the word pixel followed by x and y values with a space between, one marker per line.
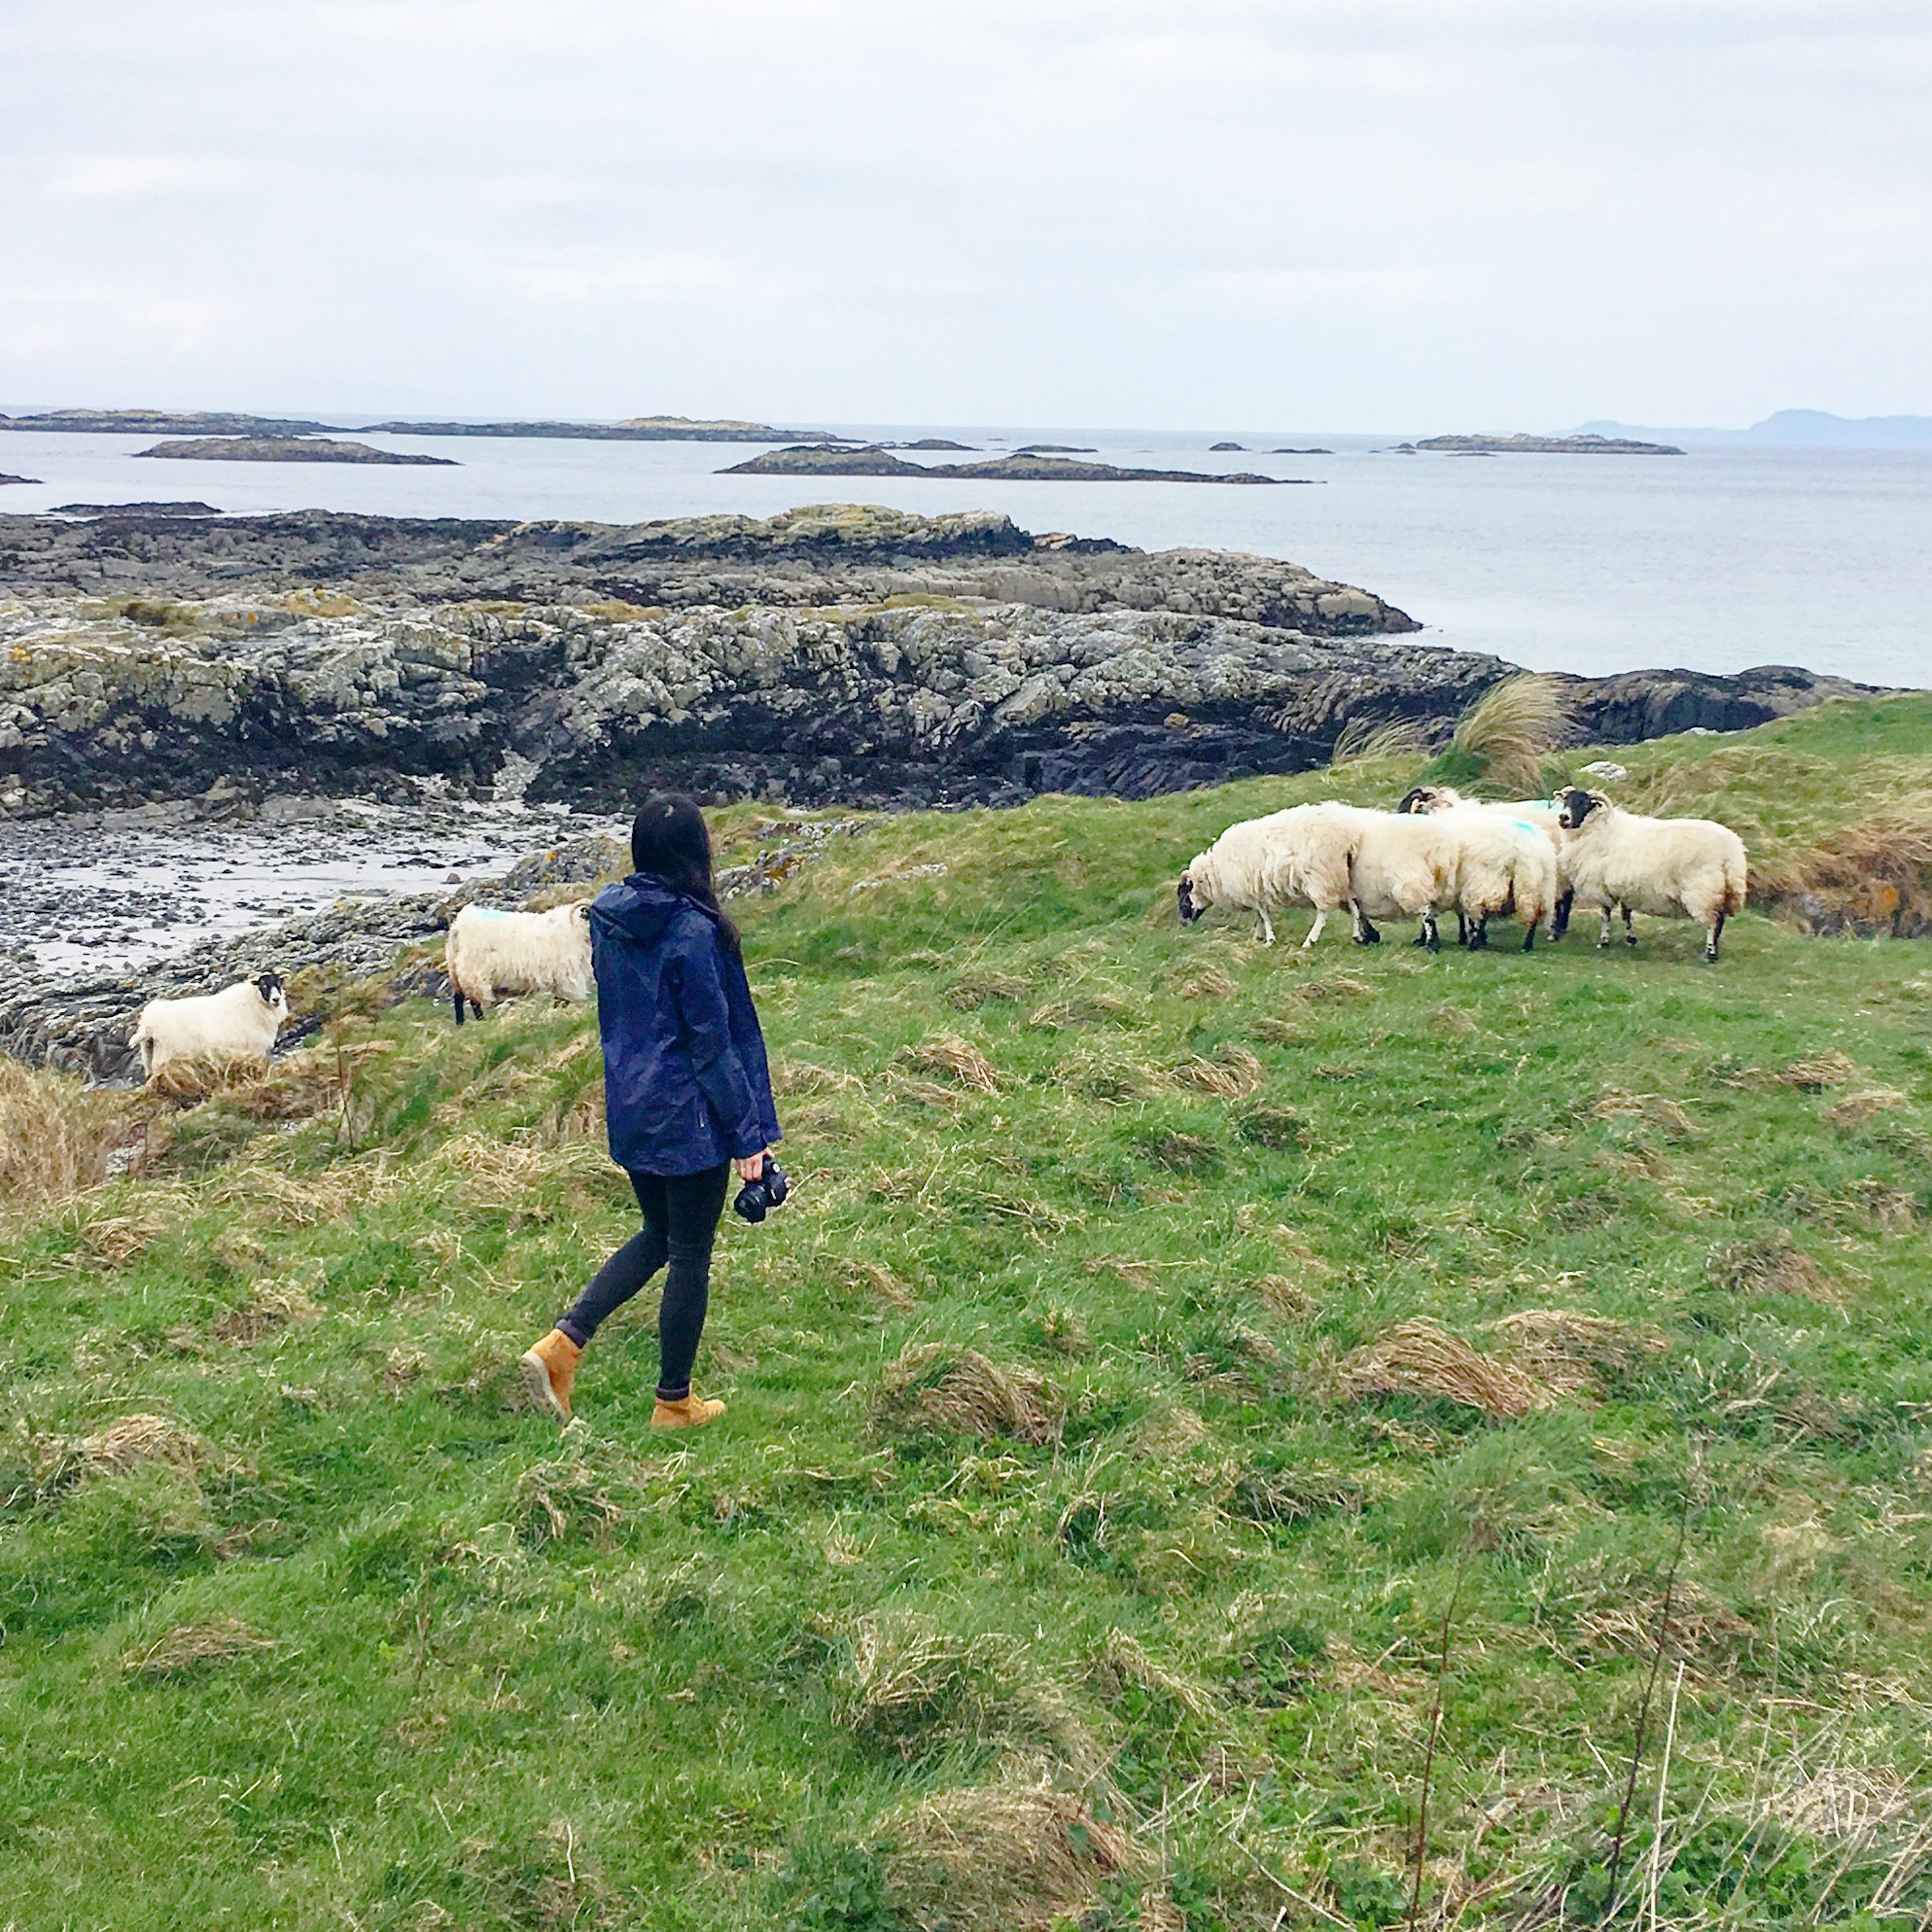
pixel 1509 734
pixel 1129 1414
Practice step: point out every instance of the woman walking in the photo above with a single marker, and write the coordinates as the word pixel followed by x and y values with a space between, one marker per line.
pixel 686 1094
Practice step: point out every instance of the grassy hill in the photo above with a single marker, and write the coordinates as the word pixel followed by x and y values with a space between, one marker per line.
pixel 1172 1348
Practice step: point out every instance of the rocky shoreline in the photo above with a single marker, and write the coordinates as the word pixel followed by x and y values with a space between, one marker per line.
pixel 833 655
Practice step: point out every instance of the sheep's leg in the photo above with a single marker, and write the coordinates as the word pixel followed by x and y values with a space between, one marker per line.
pixel 1715 933
pixel 457 996
pixel 1431 938
pixel 1629 931
pixel 1530 936
pixel 1462 926
pixel 1559 918
pixel 1267 926
pixel 1479 934
pixel 1364 933
pixel 1603 933
pixel 1315 931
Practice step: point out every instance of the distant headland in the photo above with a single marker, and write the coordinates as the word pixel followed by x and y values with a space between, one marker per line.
pixel 836 460
pixel 287 449
pixel 1542 445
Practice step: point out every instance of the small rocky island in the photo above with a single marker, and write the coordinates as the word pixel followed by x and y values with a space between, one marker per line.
pixel 18 480
pixel 287 449
pixel 163 422
pixel 186 508
pixel 1544 446
pixel 632 429
pixel 875 460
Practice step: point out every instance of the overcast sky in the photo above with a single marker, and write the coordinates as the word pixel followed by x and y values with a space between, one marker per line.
pixel 1327 214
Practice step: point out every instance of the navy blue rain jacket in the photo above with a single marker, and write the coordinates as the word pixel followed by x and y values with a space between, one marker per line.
pixel 685 1084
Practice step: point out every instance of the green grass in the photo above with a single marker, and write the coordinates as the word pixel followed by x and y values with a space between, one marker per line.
pixel 461 1674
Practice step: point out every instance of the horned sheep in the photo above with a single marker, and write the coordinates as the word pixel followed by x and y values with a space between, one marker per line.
pixel 1693 868
pixel 240 1021
pixel 490 955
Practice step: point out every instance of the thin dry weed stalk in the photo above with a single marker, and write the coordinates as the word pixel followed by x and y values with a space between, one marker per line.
pixel 1004 1857
pixel 189 1646
pixel 1513 727
pixel 940 1388
pixel 956 1059
pixel 1419 1358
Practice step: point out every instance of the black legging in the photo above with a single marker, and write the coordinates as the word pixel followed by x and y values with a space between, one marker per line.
pixel 681 1213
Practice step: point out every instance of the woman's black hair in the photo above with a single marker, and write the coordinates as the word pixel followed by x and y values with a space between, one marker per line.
pixel 669 840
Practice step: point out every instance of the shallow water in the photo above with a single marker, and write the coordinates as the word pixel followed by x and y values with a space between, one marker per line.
pixel 82 898
pixel 1716 560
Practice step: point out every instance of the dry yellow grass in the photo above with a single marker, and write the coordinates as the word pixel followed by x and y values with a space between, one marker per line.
pixel 133 1440
pixel 187 1646
pixel 1775 1265
pixel 56 1135
pixel 1419 1358
pixel 940 1388
pixel 1512 728
pixel 1816 1071
pixel 1859 1109
pixel 1563 1349
pixel 1233 1074
pixel 1004 1857
pixel 956 1059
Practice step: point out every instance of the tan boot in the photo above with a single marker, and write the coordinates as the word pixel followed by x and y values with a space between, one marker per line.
pixel 693 1412
pixel 548 1371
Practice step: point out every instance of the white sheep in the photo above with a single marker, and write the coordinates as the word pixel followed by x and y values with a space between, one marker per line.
pixel 1687 868
pixel 1541 813
pixel 1380 865
pixel 1250 868
pixel 491 954
pixel 1511 860
pixel 240 1020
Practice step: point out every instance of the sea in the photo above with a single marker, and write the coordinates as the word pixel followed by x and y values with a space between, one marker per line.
pixel 1716 560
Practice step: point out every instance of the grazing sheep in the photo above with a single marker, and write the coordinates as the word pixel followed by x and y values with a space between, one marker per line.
pixel 1380 865
pixel 240 1019
pixel 1541 813
pixel 1687 868
pixel 1510 860
pixel 1250 867
pixel 491 954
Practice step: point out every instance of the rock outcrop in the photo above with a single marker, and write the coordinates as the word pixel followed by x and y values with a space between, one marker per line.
pixel 1545 446
pixel 1024 465
pixel 834 655
pixel 286 449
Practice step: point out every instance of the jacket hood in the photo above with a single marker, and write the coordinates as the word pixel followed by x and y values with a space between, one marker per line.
pixel 644 907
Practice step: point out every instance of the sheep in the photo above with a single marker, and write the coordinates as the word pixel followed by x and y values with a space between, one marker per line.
pixel 1691 868
pixel 490 953
pixel 1511 860
pixel 1249 867
pixel 1329 855
pixel 1378 864
pixel 242 1019
pixel 1541 813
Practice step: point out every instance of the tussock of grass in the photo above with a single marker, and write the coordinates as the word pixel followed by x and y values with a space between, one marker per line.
pixel 1815 1071
pixel 1420 1358
pixel 1860 1108
pixel 957 1060
pixel 195 1646
pixel 1511 730
pixel 133 1440
pixel 56 1136
pixel 1769 1265
pixel 1003 1858
pixel 936 1388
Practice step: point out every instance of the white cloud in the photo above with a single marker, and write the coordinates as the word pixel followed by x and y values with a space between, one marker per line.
pixel 134 177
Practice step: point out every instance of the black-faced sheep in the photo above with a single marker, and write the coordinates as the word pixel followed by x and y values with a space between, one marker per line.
pixel 490 955
pixel 1250 868
pixel 1512 861
pixel 239 1021
pixel 1685 869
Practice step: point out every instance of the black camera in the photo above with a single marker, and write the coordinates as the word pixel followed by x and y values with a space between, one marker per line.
pixel 757 1198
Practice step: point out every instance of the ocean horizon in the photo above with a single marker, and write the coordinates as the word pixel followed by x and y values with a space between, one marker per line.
pixel 1723 558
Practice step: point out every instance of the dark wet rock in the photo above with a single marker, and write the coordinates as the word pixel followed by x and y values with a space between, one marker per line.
pixel 287 449
pixel 1635 705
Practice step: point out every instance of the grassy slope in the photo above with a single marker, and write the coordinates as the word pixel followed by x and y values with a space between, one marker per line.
pixel 716 1697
